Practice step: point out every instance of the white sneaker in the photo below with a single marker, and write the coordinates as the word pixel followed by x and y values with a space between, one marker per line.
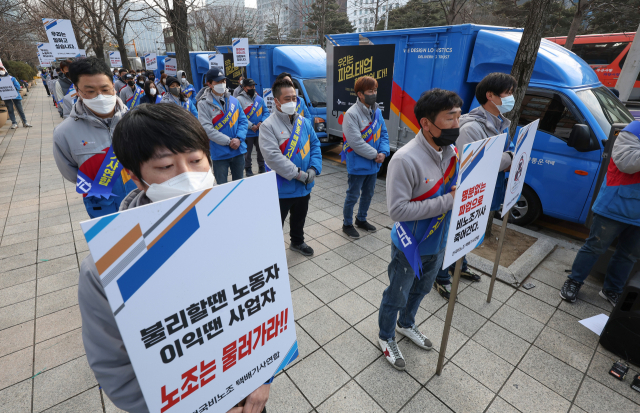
pixel 26 124
pixel 413 334
pixel 392 353
pixel 14 126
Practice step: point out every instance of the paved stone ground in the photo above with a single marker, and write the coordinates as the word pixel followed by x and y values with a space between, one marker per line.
pixel 524 352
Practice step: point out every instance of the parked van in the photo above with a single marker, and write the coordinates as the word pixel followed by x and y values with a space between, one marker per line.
pixel 575 109
pixel 606 54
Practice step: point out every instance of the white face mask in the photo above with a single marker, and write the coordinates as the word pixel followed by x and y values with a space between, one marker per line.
pixel 102 104
pixel 220 88
pixel 288 108
pixel 152 92
pixel 2 73
pixel 183 184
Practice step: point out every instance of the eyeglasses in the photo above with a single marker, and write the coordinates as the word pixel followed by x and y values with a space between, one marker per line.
pixel 90 94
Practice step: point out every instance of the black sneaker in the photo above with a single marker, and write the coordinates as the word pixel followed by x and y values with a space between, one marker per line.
pixel 303 249
pixel 610 296
pixel 569 291
pixel 443 289
pixel 261 170
pixel 350 231
pixel 248 172
pixel 365 226
pixel 467 275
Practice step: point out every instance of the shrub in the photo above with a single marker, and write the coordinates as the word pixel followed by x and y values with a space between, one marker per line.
pixel 20 70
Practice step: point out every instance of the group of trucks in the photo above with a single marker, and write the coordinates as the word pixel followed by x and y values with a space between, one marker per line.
pixel 579 115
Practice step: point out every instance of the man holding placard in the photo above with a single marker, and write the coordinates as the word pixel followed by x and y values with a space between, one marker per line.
pixel 495 95
pixel 421 181
pixel 10 94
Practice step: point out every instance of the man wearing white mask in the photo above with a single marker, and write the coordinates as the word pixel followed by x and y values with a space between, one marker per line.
pixel 495 96
pixel 82 142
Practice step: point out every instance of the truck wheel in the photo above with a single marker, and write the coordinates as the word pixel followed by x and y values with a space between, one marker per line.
pixel 527 209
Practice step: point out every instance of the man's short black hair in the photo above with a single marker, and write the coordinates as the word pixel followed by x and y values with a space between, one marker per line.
pixel 147 128
pixel 122 70
pixel 496 83
pixel 88 66
pixel 435 101
pixel 283 75
pixel 66 63
pixel 280 84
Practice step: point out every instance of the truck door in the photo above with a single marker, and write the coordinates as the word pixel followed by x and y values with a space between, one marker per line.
pixel 561 176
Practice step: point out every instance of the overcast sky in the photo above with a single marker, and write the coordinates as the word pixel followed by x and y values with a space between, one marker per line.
pixel 250 3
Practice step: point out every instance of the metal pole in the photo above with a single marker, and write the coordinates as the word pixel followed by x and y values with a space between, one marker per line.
pixel 503 230
pixel 447 321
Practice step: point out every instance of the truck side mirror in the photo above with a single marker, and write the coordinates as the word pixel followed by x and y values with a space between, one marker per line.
pixel 580 138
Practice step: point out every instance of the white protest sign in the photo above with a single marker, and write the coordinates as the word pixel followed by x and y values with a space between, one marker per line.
pixel 479 167
pixel 519 165
pixel 171 66
pixel 45 54
pixel 268 98
pixel 199 316
pixel 240 51
pixel 7 89
pixel 81 53
pixel 216 60
pixel 61 37
pixel 151 61
pixel 114 58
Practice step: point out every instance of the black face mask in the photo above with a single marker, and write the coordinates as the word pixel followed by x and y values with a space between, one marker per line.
pixel 152 78
pixel 370 99
pixel 251 92
pixel 131 83
pixel 447 136
pixel 141 84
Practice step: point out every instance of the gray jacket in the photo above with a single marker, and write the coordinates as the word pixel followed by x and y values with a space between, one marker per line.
pixel 207 110
pixel 356 119
pixel 245 100
pixel 274 132
pixel 102 341
pixel 626 153
pixel 67 104
pixel 126 93
pixel 119 85
pixel 480 124
pixel 69 151
pixel 237 91
pixel 414 170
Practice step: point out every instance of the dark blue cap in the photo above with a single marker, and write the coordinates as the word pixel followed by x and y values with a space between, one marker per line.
pixel 215 75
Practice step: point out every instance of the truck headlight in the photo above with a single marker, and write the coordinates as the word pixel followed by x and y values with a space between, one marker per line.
pixel 319 125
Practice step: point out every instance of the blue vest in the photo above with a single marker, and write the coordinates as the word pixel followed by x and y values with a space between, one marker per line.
pixel 298 149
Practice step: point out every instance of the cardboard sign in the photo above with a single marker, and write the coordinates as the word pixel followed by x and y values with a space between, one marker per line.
pixel 519 165
pixel 7 89
pixel 171 66
pixel 204 322
pixel 240 51
pixel 114 58
pixel 151 61
pixel 479 167
pixel 61 37
pixel 45 55
pixel 216 60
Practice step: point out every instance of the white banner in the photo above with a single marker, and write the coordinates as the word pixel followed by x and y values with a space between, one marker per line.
pixel 7 89
pixel 519 165
pixel 61 37
pixel 114 58
pixel 151 61
pixel 81 53
pixel 198 315
pixel 240 48
pixel 216 60
pixel 45 54
pixel 476 183
pixel 268 98
pixel 171 66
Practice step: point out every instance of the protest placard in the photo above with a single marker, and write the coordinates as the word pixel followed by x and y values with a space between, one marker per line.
pixel 7 89
pixel 519 164
pixel 45 55
pixel 204 320
pixel 216 60
pixel 61 37
pixel 268 99
pixel 479 167
pixel 240 51
pixel 171 66
pixel 114 58
pixel 151 61
pixel 81 53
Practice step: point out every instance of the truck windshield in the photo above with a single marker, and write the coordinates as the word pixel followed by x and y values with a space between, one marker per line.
pixel 605 107
pixel 317 91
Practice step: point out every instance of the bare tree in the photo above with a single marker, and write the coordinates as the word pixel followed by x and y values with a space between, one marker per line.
pixel 276 22
pixel 18 32
pixel 582 6
pixel 452 9
pixel 219 24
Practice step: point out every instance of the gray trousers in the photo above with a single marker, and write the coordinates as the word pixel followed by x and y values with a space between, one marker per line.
pixel 251 142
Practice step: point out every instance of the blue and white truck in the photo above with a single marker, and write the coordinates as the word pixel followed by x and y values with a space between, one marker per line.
pixel 307 65
pixel 576 111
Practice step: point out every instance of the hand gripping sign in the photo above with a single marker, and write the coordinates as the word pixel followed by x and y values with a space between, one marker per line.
pixel 204 322
pixel 521 155
pixel 479 167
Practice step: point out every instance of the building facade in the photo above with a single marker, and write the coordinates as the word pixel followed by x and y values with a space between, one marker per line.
pixel 362 13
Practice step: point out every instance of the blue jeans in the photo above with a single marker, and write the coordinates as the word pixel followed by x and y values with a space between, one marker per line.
pixel 221 169
pixel 12 115
pixel 360 186
pixel 405 291
pixel 603 231
pixel 443 275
